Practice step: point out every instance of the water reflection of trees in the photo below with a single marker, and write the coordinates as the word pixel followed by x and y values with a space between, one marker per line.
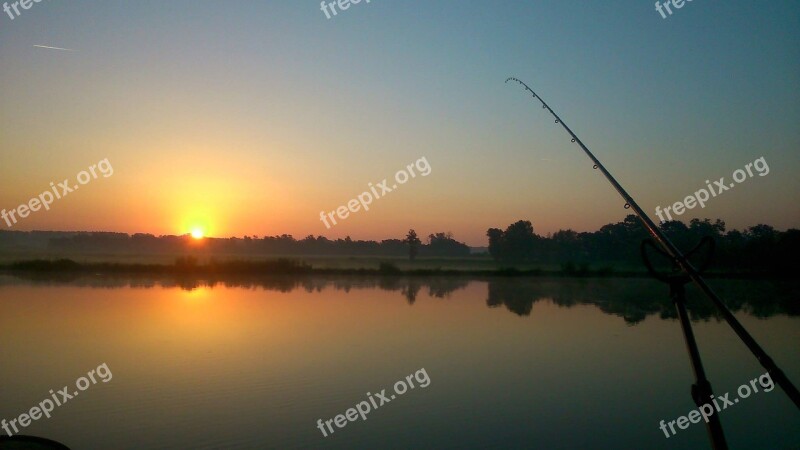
pixel 409 287
pixel 633 299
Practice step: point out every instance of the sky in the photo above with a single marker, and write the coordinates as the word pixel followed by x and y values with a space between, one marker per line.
pixel 252 117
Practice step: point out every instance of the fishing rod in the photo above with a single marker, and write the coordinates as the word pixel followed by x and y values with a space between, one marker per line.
pixel 682 262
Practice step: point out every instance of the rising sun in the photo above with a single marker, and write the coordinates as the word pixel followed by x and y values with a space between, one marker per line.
pixel 197 233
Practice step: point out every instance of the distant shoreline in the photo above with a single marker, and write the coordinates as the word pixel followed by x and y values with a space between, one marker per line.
pixel 289 267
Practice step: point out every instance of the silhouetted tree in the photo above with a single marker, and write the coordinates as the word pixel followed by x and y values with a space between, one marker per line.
pixel 515 245
pixel 787 254
pixel 413 243
pixel 443 244
pixel 495 236
pixel 565 246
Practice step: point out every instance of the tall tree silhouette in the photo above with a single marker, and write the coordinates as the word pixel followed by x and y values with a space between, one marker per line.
pixel 515 245
pixel 413 242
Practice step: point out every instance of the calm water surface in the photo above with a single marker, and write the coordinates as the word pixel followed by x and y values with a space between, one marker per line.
pixel 546 364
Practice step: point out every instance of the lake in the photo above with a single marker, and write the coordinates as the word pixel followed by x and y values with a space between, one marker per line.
pixel 510 363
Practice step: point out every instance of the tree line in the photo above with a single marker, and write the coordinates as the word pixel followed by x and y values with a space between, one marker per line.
pixel 442 244
pixel 759 248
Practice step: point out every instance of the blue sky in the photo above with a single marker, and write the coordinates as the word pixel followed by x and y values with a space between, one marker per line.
pixel 260 114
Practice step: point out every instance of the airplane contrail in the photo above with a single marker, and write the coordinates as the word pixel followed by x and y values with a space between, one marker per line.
pixel 55 48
